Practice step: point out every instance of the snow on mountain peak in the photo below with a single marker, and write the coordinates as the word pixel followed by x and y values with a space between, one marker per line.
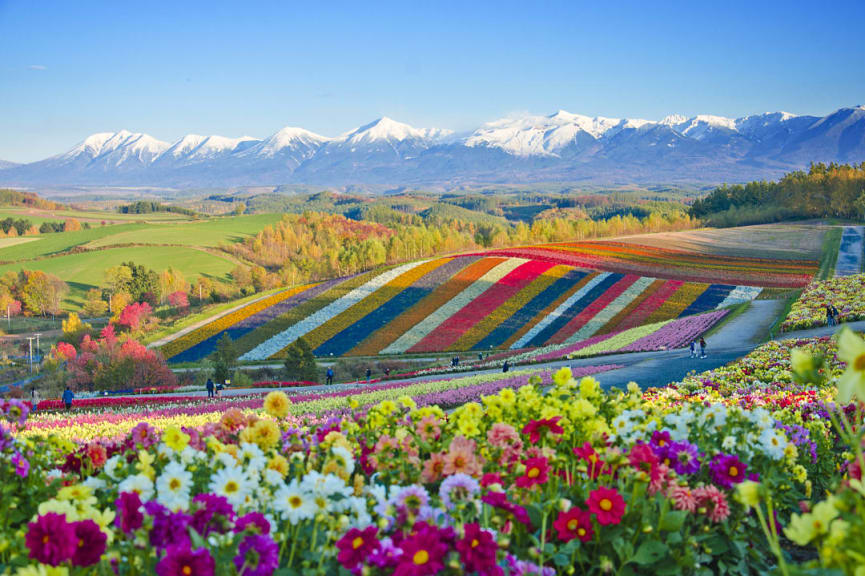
pixel 196 146
pixel 122 145
pixel 288 138
pixel 388 130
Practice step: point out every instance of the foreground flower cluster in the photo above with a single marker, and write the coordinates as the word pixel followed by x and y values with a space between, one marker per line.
pixel 843 292
pixel 550 476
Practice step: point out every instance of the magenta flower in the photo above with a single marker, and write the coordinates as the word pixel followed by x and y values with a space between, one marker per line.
pixel 51 539
pixel 183 561
pixel 356 546
pixel 254 522
pixel 477 551
pixel 21 464
pixel 90 543
pixel 129 515
pixel 257 555
pixel 727 470
pixel 423 551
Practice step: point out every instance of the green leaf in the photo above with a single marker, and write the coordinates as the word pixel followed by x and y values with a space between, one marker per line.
pixel 673 520
pixel 650 552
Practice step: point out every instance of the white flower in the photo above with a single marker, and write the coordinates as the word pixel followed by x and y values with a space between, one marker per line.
pixel 226 459
pixel 272 477
pixel 232 483
pixel 94 483
pixel 717 413
pixel 253 456
pixel 111 466
pixel 173 486
pixel 345 458
pixel 293 503
pixel 325 485
pixel 773 443
pixel 729 443
pixel 357 507
pixel 138 483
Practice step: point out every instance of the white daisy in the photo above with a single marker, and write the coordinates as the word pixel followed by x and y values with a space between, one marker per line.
pixel 232 483
pixel 728 443
pixel 173 485
pixel 138 483
pixel 94 483
pixel 345 458
pixel 293 503
pixel 112 466
pixel 773 443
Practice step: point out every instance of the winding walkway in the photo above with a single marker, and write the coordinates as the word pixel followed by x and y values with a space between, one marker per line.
pixel 851 252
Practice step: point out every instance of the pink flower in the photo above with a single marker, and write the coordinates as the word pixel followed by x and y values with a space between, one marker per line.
pixel 51 539
pixel 683 499
pixel 356 545
pixel 461 458
pixel 717 508
pixel 607 505
pixel 428 428
pixel 534 428
pixel 90 540
pixel 537 472
pixel 433 468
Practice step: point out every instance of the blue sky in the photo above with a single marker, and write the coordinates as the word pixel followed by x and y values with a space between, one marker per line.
pixel 68 69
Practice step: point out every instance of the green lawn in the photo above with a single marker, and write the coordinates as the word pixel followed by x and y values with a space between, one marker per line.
pixel 86 270
pixel 212 232
pixel 37 216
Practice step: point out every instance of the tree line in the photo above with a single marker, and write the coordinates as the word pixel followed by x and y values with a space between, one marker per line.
pixel 823 191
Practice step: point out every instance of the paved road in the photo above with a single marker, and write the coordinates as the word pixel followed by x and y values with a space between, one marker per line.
pixel 851 252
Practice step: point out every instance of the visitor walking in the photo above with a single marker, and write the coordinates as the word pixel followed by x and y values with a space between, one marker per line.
pixel 329 374
pixel 209 387
pixel 835 314
pixel 67 398
pixel 506 366
pixel 693 348
pixel 368 375
pixel 829 318
pixel 34 398
pixel 702 347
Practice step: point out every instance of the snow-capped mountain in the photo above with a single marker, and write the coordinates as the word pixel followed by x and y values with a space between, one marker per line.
pixel 527 148
pixel 4 164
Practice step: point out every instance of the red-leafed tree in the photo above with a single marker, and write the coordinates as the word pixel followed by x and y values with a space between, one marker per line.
pixel 179 300
pixel 135 315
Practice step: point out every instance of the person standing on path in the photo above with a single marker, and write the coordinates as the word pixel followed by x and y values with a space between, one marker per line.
pixel 209 387
pixel 693 349
pixel 329 374
pixel 68 397
pixel 506 366
pixel 835 314
pixel 368 375
pixel 702 347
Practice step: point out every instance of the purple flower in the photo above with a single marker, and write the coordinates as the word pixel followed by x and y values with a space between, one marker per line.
pixel 129 516
pixel 182 561
pixel 22 466
pixel 727 470
pixel 169 528
pixel 257 555
pixel 684 457
pixel 51 539
pixel 519 567
pixel 457 487
pixel 91 543
pixel 213 514
pixel 255 521
pixel 144 435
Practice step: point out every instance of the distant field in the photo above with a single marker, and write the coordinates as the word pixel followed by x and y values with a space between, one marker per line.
pixel 7 242
pixel 786 241
pixel 38 215
pixel 211 232
pixel 86 270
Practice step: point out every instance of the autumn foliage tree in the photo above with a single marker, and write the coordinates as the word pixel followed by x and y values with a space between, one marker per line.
pixel 135 315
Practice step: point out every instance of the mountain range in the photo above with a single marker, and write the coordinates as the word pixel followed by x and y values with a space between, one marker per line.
pixel 561 147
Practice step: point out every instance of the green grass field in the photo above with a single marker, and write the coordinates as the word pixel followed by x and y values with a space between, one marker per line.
pixel 86 270
pixel 38 216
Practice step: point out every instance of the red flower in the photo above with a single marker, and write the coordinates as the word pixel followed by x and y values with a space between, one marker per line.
pixel 477 551
pixel 575 523
pixel 51 539
pixel 356 545
pixel 607 505
pixel 500 500
pixel 535 427
pixel 491 478
pixel 643 458
pixel 423 552
pixel 537 472
pixel 91 543
pixel 596 465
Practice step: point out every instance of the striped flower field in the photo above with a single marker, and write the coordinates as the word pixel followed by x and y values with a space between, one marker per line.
pixel 513 299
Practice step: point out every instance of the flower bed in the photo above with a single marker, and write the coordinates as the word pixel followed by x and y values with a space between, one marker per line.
pixel 540 476
pixel 846 293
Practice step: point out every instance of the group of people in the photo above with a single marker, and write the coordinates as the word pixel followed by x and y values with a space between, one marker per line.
pixel 702 344
pixel 213 390
pixel 831 315
pixel 455 362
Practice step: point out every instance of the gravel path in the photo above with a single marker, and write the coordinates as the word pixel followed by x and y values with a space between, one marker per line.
pixel 851 252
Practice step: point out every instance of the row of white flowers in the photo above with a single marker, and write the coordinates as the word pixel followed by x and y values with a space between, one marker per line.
pixel 270 347
pixel 606 314
pixel 740 294
pixel 452 306
pixel 560 309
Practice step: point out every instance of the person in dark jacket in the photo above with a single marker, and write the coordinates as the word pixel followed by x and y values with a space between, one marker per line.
pixel 209 387
pixel 506 366
pixel 329 375
pixel 702 347
pixel 368 374
pixel 67 398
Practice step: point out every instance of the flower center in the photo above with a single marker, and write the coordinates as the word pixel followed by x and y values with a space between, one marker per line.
pixel 357 543
pixel 859 364
pixel 581 532
pixel 475 543
pixel 231 487
pixel 533 473
pixel 606 505
pixel 186 570
pixel 573 524
pixel 174 484
pixel 295 501
pixel 45 539
pixel 420 557
pixel 734 471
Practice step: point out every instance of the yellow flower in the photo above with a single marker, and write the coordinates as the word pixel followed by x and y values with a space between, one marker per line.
pixel 265 433
pixel 175 438
pixel 563 377
pixel 851 349
pixel 353 403
pixel 277 404
pixel 387 406
pixel 801 361
pixel 42 570
pixel 589 386
pixel 59 507
pixel 279 463
pixel 748 493
pixel 145 464
pixel 407 402
pixel 804 528
pixel 78 493
pixel 508 397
